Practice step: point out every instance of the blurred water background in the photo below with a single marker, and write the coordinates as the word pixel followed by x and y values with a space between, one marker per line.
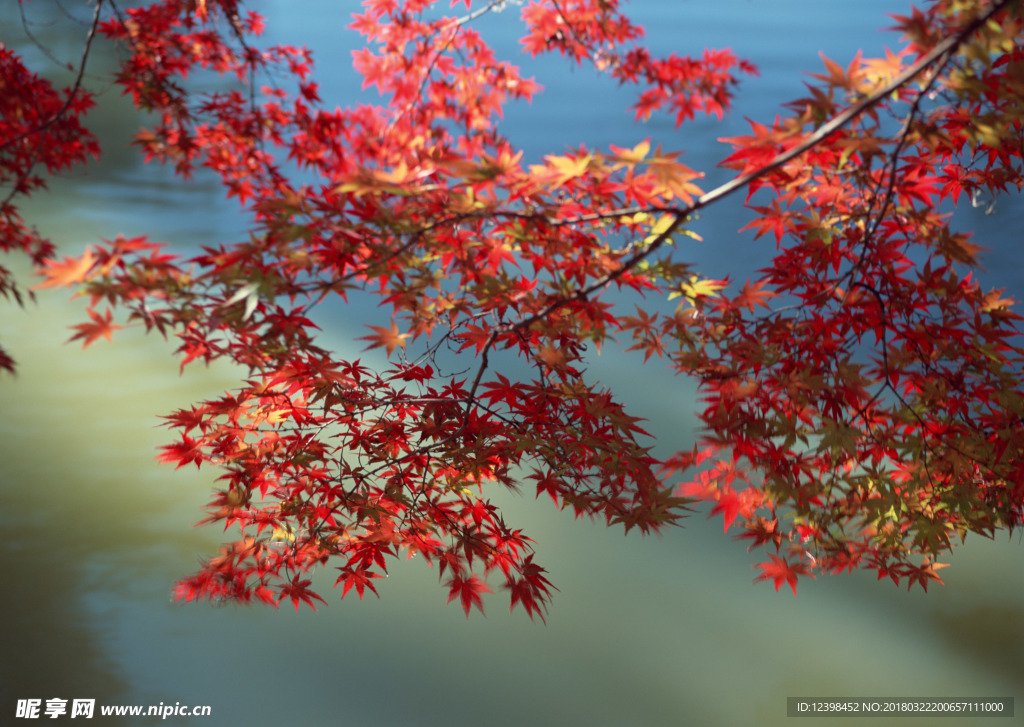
pixel 666 630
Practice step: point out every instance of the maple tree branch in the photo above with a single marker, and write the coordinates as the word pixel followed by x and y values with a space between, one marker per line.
pixel 929 449
pixel 495 6
pixel 890 189
pixel 572 30
pixel 471 396
pixel 42 47
pixel 75 87
pixel 885 344
pixel 946 47
pixel 393 448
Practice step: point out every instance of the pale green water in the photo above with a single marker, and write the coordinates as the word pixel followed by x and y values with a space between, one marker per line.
pixel 662 631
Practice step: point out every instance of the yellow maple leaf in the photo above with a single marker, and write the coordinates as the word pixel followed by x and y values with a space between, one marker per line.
pixel 696 288
pixel 632 156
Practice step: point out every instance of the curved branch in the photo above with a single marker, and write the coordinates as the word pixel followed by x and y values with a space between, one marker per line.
pixel 74 87
pixel 945 48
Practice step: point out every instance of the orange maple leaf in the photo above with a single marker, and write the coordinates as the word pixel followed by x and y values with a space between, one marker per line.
pixel 389 338
pixel 67 272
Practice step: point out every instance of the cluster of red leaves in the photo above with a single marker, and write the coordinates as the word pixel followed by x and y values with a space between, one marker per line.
pixel 862 391
pixel 881 408
pixel 583 30
pixel 40 129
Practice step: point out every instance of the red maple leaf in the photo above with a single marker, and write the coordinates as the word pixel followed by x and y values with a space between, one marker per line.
pixel 185 451
pixel 101 326
pixel 468 590
pixel 781 571
pixel 361 579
